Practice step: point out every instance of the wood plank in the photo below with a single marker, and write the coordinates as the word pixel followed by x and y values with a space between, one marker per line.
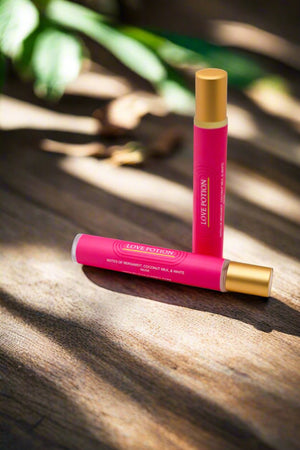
pixel 94 359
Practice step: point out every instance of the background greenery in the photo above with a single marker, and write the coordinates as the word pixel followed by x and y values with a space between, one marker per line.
pixel 43 39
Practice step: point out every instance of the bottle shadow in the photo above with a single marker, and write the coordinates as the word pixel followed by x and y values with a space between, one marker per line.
pixel 263 314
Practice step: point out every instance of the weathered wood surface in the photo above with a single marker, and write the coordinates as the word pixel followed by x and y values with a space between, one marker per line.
pixel 93 359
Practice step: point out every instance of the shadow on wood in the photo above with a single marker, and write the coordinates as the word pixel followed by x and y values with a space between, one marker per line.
pixel 182 410
pixel 263 314
pixel 36 414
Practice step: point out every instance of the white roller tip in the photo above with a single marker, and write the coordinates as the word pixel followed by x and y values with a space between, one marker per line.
pixel 74 246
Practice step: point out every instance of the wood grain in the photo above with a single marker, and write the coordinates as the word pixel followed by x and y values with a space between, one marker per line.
pixel 93 359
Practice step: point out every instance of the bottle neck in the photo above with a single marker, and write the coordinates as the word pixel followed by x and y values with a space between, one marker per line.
pixel 224 275
pixel 210 125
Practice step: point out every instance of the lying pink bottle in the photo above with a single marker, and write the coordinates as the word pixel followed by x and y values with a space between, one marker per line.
pixel 210 154
pixel 171 265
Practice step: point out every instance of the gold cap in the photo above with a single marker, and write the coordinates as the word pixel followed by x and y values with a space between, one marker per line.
pixel 249 279
pixel 211 95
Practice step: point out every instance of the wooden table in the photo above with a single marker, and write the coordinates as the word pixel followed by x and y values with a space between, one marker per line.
pixel 93 359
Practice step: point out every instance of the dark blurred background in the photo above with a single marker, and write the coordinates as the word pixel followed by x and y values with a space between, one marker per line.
pixel 191 17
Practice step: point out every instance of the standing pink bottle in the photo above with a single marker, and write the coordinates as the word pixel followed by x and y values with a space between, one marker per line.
pixel 210 154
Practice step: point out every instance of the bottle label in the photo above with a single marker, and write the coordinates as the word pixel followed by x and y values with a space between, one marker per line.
pixel 148 252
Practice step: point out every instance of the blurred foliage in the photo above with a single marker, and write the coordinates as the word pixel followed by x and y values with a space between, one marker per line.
pixel 42 38
pixel 18 18
pixel 56 61
pixel 180 50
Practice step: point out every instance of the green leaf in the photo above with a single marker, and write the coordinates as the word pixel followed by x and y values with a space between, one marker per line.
pixel 178 51
pixel 56 61
pixel 167 50
pixel 136 51
pixel 129 51
pixel 23 60
pixel 132 53
pixel 17 20
pixel 152 40
pixel 242 70
pixel 73 15
pixel 178 98
pixel 177 95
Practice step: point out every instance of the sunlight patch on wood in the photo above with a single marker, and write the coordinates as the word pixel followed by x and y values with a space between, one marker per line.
pixel 16 114
pixel 242 125
pixel 239 246
pixel 129 109
pixel 134 185
pixel 247 36
pixel 274 101
pixel 262 191
pixel 99 83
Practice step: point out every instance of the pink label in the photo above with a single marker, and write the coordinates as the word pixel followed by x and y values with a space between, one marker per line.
pixel 148 252
pixel 209 190
pixel 150 261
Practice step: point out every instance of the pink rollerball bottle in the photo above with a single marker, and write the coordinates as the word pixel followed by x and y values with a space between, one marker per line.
pixel 210 153
pixel 173 265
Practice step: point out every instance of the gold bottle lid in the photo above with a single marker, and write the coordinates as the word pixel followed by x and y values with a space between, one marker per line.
pixel 249 279
pixel 211 96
